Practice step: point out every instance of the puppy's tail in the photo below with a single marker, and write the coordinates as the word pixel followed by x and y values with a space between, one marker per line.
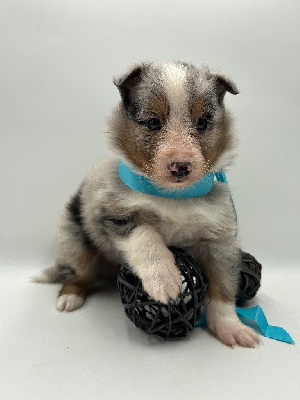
pixel 54 274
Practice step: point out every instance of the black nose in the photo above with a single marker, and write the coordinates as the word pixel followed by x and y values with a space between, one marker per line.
pixel 180 169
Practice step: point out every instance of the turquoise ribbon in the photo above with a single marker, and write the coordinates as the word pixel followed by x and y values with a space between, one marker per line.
pixel 256 314
pixel 144 185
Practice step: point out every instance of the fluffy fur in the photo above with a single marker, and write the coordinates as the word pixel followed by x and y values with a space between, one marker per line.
pixel 171 126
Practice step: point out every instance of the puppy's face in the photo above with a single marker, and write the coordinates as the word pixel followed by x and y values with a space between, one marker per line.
pixel 172 124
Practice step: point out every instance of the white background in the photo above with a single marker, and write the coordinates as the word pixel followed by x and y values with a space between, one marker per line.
pixel 56 65
pixel 57 62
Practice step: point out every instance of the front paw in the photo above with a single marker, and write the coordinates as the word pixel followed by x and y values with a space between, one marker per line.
pixel 224 323
pixel 233 332
pixel 163 283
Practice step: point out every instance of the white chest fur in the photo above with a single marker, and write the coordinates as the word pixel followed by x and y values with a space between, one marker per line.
pixel 182 222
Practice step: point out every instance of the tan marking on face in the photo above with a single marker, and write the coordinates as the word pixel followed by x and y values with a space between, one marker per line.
pixel 197 110
pixel 213 151
pixel 130 138
pixel 159 106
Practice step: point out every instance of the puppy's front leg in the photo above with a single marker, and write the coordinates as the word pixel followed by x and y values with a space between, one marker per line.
pixel 153 262
pixel 219 261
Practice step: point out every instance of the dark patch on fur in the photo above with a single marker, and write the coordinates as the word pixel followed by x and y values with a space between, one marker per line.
pixel 119 225
pixel 74 208
pixel 127 85
pixel 65 273
pixel 132 109
pixel 223 85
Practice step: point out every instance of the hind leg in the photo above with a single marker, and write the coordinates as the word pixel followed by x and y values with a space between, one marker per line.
pixel 79 282
pixel 77 258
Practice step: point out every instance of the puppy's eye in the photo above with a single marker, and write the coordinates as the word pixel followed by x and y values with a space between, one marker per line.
pixel 153 124
pixel 201 124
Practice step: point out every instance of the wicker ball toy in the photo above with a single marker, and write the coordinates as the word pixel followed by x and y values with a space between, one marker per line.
pixel 169 321
pixel 250 278
pixel 177 318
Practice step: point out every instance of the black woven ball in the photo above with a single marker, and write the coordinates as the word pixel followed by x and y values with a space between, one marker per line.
pixel 178 318
pixel 250 277
pixel 175 319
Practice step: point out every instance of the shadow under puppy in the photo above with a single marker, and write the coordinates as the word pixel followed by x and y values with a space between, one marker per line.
pixel 172 127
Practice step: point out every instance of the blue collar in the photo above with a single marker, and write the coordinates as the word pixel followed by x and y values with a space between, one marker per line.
pixel 144 185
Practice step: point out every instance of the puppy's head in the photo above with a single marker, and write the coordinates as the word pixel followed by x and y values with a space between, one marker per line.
pixel 171 123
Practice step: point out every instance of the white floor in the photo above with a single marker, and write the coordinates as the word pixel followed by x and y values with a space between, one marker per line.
pixel 97 353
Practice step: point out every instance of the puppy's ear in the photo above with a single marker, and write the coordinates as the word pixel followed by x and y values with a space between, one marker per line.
pixel 223 85
pixel 130 79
